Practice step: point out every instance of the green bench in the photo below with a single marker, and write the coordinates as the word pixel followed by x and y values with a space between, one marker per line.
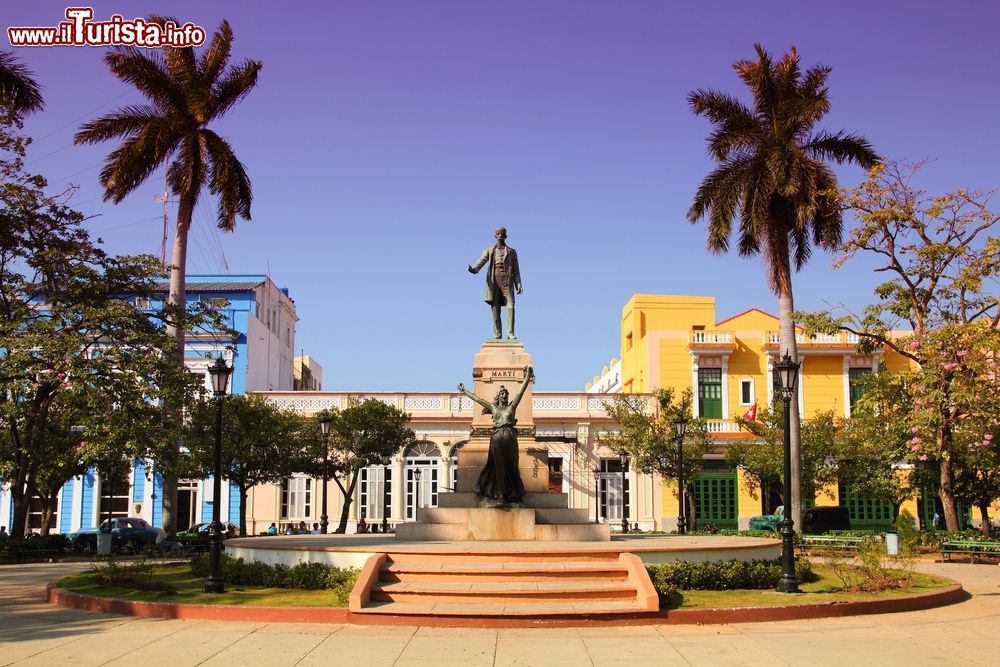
pixel 976 549
pixel 831 542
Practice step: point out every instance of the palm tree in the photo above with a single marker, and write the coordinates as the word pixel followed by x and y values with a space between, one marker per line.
pixel 185 93
pixel 18 89
pixel 773 179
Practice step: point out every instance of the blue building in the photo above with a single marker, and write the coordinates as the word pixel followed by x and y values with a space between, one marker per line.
pixel 263 358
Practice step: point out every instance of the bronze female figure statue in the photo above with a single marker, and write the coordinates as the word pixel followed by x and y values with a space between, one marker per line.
pixel 500 482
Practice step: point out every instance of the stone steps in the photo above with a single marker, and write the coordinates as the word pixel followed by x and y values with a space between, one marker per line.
pixel 504 584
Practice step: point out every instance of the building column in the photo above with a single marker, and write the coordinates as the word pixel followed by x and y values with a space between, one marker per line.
pixel 396 511
pixel 725 388
pixel 76 511
pixel 847 385
pixel 5 507
pixel 695 408
pixel 149 497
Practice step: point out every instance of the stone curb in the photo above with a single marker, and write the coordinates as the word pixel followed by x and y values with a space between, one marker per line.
pixel 64 598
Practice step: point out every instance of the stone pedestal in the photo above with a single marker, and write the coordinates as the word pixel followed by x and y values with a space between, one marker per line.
pixel 544 516
pixel 501 364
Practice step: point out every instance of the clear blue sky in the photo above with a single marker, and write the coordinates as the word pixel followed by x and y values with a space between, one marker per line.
pixel 386 141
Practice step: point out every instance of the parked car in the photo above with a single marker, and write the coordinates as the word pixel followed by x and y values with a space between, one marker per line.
pixel 124 529
pixel 199 533
pixel 815 520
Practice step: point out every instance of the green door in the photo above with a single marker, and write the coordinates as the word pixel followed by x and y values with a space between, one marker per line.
pixel 710 393
pixel 716 501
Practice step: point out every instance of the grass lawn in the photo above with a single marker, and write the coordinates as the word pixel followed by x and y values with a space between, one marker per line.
pixel 189 591
pixel 827 588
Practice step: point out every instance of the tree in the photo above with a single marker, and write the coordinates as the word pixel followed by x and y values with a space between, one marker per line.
pixel 941 260
pixel 774 179
pixel 362 435
pixel 18 90
pixel 185 93
pixel 762 459
pixel 646 431
pixel 259 441
pixel 876 440
pixel 74 355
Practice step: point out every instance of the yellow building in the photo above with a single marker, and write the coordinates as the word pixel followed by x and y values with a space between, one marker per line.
pixel 676 342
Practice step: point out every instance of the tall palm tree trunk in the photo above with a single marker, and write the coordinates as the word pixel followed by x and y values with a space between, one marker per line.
pixel 786 326
pixel 177 298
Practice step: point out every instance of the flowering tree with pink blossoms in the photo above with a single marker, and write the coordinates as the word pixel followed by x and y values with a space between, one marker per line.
pixel 942 261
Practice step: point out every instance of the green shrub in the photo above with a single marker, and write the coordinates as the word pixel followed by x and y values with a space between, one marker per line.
pixel 309 576
pixel 342 582
pixel 55 544
pixel 909 536
pixel 722 575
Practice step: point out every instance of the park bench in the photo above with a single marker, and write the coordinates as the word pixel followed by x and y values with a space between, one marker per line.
pixel 831 542
pixel 976 549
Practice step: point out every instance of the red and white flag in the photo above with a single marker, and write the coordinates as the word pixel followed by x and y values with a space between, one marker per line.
pixel 751 414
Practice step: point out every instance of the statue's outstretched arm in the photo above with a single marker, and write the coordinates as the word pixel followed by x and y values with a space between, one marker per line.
pixel 529 375
pixel 486 404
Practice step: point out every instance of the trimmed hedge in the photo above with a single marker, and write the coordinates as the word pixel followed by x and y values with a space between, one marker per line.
pixel 54 544
pixel 308 576
pixel 668 578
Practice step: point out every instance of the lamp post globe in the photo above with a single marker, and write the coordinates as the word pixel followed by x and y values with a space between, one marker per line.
pixel 219 373
pixel 680 427
pixel 788 373
pixel 324 429
pixel 623 456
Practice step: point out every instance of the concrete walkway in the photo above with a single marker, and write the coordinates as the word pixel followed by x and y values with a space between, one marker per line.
pixel 34 633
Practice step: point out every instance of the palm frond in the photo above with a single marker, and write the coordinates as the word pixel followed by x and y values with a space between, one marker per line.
pixel 213 59
pixel 186 174
pixel 147 72
pixel 180 61
pixel 121 123
pixel 843 147
pixel 239 80
pixel 139 155
pixel 229 181
pixel 18 88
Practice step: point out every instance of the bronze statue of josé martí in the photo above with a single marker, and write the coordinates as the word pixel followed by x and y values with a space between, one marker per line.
pixel 503 280
pixel 500 482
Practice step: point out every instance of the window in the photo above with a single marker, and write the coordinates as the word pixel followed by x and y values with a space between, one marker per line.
pixel 217 303
pixel 746 392
pixel 142 303
pixel 628 341
pixel 296 498
pixel 614 490
pixel 375 487
pixel 855 376
pixel 710 393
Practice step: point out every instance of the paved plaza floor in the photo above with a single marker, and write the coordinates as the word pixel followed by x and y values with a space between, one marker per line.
pixel 35 633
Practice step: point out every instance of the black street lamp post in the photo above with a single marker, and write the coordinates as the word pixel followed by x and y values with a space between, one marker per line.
pixel 597 493
pixel 788 372
pixel 324 428
pixel 416 481
pixel 219 372
pixel 623 455
pixel 680 426
pixel 386 460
